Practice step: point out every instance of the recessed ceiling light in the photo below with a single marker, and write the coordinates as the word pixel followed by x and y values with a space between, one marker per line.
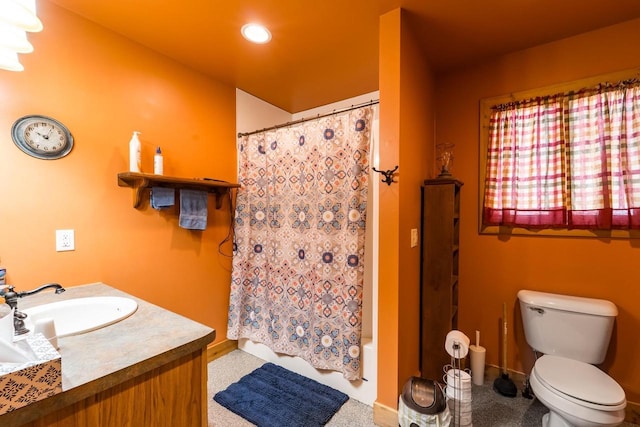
pixel 256 33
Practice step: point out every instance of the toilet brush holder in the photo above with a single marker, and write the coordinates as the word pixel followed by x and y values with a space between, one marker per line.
pixel 478 356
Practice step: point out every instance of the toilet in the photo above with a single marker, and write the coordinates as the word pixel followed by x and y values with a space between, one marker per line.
pixel 573 335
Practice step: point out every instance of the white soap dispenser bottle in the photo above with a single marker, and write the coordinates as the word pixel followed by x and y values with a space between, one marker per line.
pixel 134 153
pixel 157 162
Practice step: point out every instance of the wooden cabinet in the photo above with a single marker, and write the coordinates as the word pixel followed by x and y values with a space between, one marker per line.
pixel 439 271
pixel 174 394
pixel 149 369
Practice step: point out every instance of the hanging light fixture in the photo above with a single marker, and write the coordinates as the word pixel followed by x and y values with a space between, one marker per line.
pixel 9 60
pixel 14 38
pixel 21 13
pixel 16 18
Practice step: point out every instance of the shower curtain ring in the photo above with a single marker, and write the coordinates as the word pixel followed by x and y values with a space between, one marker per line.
pixel 388 174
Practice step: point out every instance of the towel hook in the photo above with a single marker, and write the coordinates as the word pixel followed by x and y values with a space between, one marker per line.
pixel 388 175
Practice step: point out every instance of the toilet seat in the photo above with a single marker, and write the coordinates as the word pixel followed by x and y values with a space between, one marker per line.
pixel 580 383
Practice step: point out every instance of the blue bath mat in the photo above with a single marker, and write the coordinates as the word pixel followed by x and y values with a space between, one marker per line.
pixel 272 396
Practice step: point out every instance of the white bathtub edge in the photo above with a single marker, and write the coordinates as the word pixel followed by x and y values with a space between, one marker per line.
pixel 364 391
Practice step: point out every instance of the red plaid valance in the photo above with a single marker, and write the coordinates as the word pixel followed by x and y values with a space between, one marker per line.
pixel 566 161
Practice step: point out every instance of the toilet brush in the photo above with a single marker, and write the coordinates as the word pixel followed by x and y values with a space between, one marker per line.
pixel 503 384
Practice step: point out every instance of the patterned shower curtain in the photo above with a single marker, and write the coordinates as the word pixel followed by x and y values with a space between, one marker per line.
pixel 299 232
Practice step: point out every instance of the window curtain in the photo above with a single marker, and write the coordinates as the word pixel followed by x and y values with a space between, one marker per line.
pixel 297 277
pixel 604 158
pixel 525 172
pixel 566 161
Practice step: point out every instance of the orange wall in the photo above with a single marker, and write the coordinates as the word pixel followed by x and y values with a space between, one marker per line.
pixel 417 120
pixel 406 139
pixel 493 269
pixel 103 87
pixel 388 272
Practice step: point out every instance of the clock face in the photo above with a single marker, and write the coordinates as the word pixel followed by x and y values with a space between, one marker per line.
pixel 42 137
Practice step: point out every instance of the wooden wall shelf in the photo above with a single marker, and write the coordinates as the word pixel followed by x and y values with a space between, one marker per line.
pixel 142 181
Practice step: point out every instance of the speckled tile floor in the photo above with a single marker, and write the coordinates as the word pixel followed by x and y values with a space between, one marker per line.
pixel 488 407
pixel 233 366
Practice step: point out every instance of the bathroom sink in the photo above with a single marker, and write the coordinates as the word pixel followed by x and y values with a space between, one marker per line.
pixel 80 315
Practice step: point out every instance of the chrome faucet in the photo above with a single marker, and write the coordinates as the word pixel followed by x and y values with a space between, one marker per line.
pixel 11 298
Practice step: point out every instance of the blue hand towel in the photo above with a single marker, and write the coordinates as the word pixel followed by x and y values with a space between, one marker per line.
pixel 162 197
pixel 193 209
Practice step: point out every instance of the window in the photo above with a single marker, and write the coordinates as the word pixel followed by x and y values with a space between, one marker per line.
pixel 565 161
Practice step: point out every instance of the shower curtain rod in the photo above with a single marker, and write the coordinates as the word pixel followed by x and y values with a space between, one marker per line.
pixel 302 120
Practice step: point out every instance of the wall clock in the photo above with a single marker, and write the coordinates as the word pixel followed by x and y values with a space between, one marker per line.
pixel 42 137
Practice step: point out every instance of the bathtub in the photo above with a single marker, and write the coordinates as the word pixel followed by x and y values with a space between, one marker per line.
pixel 363 390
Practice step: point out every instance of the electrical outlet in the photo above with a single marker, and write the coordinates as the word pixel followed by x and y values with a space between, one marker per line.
pixel 414 237
pixel 65 240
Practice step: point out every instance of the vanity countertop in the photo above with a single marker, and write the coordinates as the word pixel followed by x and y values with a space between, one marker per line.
pixel 95 361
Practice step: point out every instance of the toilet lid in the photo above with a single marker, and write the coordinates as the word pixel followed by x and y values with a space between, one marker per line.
pixel 579 380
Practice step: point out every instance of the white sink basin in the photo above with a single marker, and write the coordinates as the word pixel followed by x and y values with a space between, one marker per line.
pixel 80 315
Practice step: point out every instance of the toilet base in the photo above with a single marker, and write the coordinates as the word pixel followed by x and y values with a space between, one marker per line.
pixel 552 419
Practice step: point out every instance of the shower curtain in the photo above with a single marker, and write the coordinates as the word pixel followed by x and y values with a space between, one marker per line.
pixel 297 276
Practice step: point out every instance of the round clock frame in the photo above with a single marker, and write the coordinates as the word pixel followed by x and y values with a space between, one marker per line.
pixel 42 137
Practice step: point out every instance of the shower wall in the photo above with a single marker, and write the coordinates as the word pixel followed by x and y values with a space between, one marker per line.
pixel 253 114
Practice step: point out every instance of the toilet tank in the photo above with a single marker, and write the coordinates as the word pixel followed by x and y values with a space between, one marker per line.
pixel 573 327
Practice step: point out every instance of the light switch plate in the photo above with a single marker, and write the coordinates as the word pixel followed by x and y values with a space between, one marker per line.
pixel 65 240
pixel 414 237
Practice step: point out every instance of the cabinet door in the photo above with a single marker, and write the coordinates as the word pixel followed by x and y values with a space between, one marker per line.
pixel 439 288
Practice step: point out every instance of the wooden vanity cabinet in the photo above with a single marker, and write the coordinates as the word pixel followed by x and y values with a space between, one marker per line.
pixel 149 369
pixel 171 395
